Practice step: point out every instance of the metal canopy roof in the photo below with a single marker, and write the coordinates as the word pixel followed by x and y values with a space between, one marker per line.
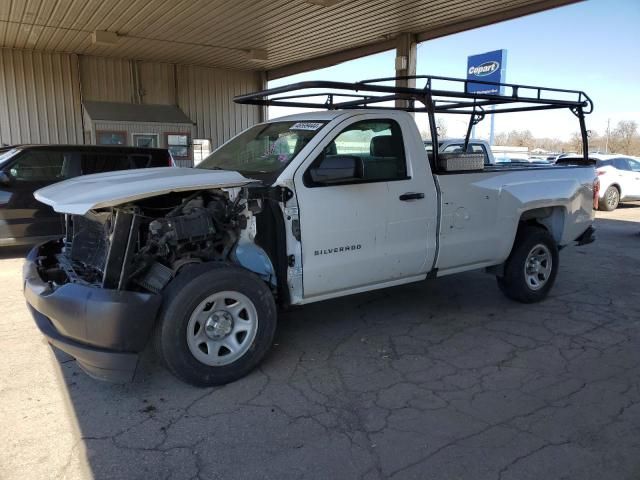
pixel 221 33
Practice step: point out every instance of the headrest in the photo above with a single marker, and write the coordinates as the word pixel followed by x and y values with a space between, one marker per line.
pixel 385 146
pixel 331 149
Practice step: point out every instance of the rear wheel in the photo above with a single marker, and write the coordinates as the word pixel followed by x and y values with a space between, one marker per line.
pixel 216 325
pixel 611 199
pixel 531 269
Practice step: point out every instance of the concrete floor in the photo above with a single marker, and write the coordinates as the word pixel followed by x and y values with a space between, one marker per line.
pixel 444 379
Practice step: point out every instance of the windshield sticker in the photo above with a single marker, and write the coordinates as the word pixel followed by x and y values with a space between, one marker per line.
pixel 306 126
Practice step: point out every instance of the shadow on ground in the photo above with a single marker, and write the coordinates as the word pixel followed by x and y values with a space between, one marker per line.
pixel 436 380
pixel 14 252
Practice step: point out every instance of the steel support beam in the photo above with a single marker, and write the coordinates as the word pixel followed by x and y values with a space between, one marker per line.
pixel 406 58
pixel 390 44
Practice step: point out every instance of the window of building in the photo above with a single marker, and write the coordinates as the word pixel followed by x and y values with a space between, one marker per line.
pixel 145 140
pixel 109 137
pixel 201 149
pixel 178 145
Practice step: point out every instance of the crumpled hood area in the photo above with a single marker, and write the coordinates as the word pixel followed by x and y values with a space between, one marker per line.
pixel 79 195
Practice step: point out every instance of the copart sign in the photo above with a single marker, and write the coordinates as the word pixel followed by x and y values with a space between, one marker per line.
pixel 486 67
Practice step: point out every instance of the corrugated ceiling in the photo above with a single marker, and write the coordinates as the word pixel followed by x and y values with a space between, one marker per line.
pixel 217 33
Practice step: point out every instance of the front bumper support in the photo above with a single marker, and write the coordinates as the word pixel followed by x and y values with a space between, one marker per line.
pixel 104 330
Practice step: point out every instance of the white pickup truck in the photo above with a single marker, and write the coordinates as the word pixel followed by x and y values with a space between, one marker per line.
pixel 291 211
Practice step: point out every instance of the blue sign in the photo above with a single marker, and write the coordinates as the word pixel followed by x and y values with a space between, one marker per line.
pixel 487 67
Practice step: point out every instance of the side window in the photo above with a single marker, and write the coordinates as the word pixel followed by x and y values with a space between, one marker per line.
pixel 604 163
pixel 38 166
pixel 621 163
pixel 98 162
pixel 453 148
pixel 635 165
pixel 378 147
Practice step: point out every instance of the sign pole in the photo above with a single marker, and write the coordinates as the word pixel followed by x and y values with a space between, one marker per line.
pixel 491 129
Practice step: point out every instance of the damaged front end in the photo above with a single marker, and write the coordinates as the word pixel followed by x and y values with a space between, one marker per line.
pixel 141 245
pixel 96 293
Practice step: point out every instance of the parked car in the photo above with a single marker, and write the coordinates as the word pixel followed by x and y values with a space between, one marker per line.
pixel 619 180
pixel 292 211
pixel 27 168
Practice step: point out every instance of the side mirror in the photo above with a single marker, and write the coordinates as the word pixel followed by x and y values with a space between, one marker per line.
pixel 337 168
pixel 5 179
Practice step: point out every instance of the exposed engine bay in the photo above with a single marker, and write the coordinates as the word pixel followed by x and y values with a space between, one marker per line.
pixel 141 245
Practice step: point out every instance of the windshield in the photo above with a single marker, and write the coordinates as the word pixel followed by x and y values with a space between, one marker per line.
pixel 266 148
pixel 6 155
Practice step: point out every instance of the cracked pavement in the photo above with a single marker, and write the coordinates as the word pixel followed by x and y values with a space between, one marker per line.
pixel 444 379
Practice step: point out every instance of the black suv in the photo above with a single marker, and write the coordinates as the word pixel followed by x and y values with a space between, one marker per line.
pixel 26 168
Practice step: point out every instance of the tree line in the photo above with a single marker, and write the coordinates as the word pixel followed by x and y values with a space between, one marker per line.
pixel 623 138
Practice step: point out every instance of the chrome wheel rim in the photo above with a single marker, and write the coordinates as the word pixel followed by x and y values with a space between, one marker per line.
pixel 612 198
pixel 538 267
pixel 222 328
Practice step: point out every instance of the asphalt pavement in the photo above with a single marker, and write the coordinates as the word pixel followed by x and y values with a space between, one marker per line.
pixel 444 379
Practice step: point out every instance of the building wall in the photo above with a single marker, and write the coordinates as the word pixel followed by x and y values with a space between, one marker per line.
pixel 39 98
pixel 206 96
pixel 44 92
pixel 107 79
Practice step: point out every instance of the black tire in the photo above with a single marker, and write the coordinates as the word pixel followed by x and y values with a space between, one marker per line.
pixel 186 293
pixel 611 199
pixel 516 283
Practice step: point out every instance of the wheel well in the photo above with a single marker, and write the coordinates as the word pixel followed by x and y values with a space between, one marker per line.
pixel 616 186
pixel 552 219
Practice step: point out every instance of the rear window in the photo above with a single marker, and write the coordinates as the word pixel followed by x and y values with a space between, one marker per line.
pixel 99 162
pixel 471 148
pixel 159 158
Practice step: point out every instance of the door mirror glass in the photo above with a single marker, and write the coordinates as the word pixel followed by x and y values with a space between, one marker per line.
pixel 5 179
pixel 336 168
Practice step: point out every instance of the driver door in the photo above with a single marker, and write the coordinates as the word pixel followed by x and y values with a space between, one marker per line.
pixel 22 215
pixel 370 230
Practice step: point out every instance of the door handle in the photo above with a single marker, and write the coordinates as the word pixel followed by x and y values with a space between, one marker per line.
pixel 411 196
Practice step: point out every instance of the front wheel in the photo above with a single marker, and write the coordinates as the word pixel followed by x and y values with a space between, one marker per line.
pixel 216 325
pixel 611 199
pixel 531 269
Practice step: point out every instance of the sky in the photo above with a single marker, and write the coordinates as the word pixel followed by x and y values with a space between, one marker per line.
pixel 591 46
